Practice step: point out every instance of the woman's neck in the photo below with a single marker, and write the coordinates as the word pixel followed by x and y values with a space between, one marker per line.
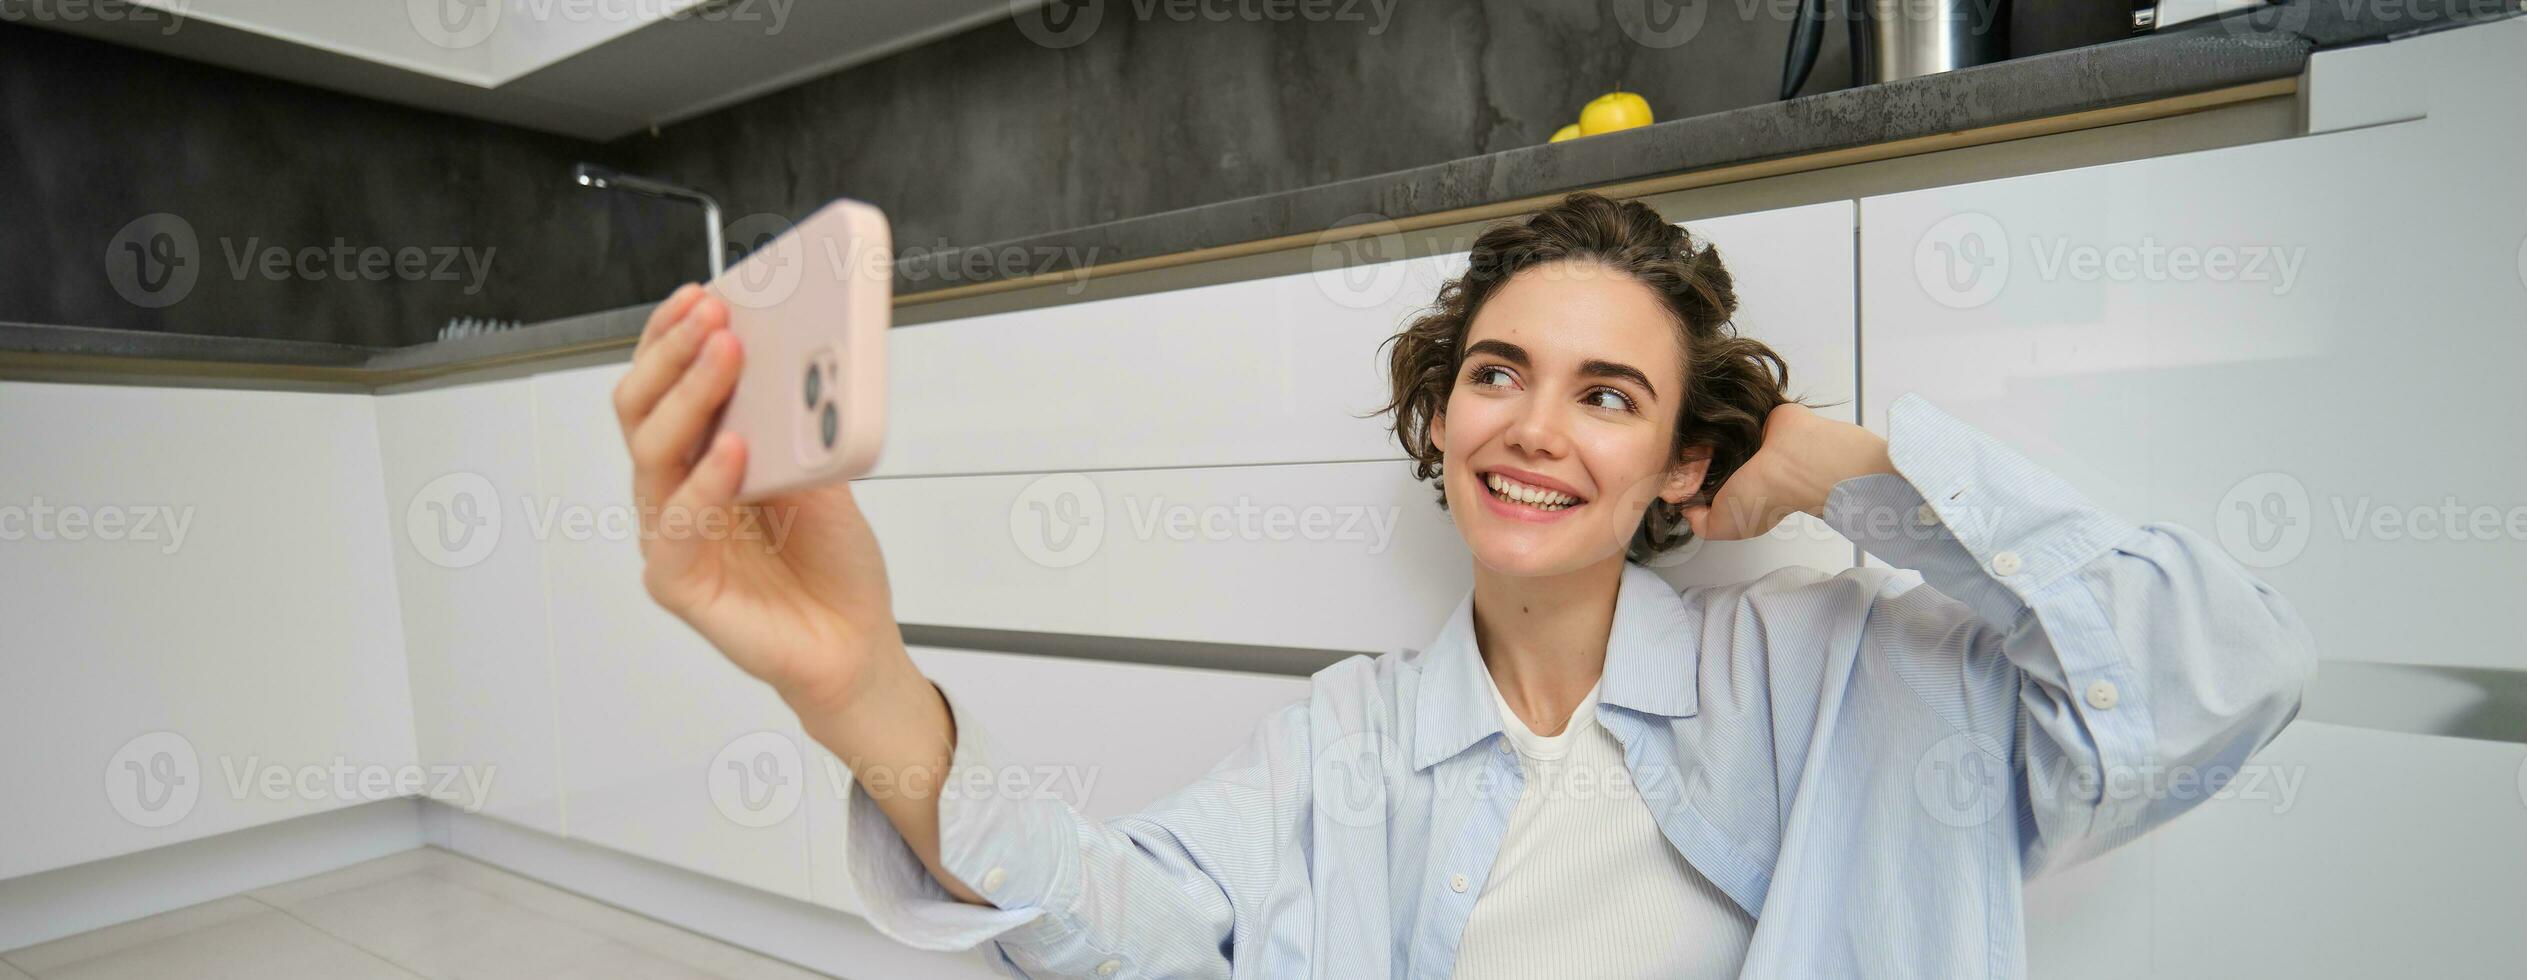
pixel 1544 639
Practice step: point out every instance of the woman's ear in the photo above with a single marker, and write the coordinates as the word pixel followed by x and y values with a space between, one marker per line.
pixel 1438 430
pixel 1685 479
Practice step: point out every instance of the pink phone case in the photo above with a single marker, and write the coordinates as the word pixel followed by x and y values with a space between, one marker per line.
pixel 810 310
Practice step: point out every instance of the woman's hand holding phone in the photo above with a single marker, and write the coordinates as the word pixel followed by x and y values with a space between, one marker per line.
pixel 791 589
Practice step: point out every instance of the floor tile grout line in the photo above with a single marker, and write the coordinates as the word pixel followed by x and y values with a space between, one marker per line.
pixel 635 913
pixel 344 940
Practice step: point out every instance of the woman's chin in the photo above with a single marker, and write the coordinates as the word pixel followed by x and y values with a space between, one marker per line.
pixel 1525 552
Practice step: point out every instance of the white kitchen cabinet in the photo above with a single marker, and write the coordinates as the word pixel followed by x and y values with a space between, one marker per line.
pixel 2306 350
pixel 1189 465
pixel 1347 556
pixel 2339 852
pixel 462 491
pixel 200 630
pixel 1795 292
pixel 1108 738
pixel 1277 370
pixel 667 751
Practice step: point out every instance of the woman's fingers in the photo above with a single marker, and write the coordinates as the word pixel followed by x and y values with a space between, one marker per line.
pixel 713 484
pixel 715 476
pixel 662 446
pixel 662 359
pixel 667 312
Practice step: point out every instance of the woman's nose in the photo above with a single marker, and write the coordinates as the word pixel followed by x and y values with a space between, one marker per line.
pixel 1539 429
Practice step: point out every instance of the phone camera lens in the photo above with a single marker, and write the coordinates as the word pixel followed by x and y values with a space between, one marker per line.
pixel 830 423
pixel 815 386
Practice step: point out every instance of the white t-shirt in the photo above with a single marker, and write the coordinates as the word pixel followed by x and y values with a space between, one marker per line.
pixel 1585 885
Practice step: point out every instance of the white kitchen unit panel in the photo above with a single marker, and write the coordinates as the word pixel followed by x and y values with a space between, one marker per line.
pixel 1792 268
pixel 1346 556
pixel 201 628
pixel 1278 370
pixel 2306 350
pixel 667 751
pixel 461 490
pixel 1108 738
pixel 1338 556
pixel 2337 853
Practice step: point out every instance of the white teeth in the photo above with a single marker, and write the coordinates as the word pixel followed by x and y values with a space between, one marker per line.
pixel 1536 497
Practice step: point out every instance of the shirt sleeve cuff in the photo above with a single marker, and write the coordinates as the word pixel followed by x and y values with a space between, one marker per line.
pixel 1981 523
pixel 1000 846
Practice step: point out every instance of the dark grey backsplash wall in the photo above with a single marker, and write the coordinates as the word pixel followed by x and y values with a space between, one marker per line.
pixel 983 136
pixel 990 135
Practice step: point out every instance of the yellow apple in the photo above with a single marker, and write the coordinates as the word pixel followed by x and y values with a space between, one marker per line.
pixel 1612 111
pixel 1570 132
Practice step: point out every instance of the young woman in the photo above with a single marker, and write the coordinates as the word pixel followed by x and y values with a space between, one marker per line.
pixel 1586 773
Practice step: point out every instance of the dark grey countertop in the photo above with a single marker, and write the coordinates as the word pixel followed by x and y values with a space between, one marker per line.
pixel 2236 49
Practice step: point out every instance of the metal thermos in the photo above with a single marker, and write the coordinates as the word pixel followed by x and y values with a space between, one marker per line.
pixel 1892 39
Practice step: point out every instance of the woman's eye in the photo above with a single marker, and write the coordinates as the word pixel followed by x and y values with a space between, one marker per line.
pixel 1610 398
pixel 1493 376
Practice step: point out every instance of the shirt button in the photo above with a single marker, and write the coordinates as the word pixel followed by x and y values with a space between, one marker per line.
pixel 2102 695
pixel 994 878
pixel 1926 515
pixel 1107 968
pixel 1457 882
pixel 2005 563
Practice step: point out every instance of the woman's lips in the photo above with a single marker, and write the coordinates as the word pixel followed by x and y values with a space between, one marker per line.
pixel 1552 504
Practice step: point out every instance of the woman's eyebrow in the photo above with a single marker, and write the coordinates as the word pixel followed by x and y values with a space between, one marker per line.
pixel 1502 349
pixel 1624 372
pixel 1592 368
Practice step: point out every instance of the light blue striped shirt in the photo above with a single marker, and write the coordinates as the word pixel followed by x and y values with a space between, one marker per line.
pixel 1869 767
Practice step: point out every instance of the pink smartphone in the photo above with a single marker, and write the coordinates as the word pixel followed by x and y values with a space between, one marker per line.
pixel 810 309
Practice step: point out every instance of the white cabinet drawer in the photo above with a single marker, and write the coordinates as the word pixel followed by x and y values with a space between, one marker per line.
pixel 2325 382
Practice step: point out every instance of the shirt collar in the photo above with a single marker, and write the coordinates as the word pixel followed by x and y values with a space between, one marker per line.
pixel 1650 668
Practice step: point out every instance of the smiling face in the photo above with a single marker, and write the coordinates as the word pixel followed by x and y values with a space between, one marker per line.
pixel 1560 426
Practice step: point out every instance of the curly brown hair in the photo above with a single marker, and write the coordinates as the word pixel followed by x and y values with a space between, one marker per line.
pixel 1731 383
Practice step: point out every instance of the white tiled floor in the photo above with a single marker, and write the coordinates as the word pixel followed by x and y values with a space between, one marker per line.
pixel 423 913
